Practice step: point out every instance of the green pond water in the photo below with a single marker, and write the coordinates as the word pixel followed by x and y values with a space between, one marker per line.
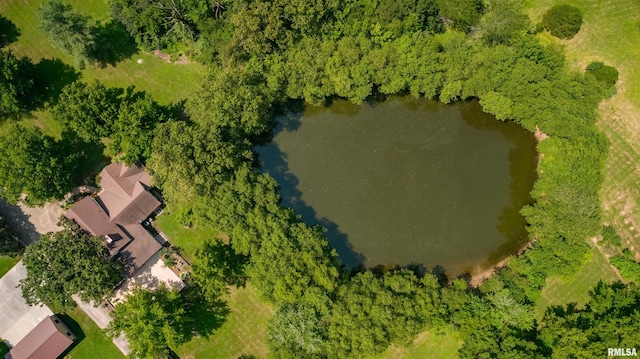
pixel 407 181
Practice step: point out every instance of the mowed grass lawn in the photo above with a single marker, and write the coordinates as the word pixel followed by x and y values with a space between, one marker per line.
pixel 186 239
pixel 166 82
pixel 243 331
pixel 94 344
pixel 428 344
pixel 6 263
pixel 576 289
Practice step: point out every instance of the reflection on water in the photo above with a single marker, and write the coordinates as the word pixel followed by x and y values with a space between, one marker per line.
pixel 406 181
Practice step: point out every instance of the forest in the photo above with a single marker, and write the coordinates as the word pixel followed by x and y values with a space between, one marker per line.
pixel 263 56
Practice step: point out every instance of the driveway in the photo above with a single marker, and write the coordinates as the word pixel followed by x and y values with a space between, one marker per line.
pixel 29 223
pixel 17 319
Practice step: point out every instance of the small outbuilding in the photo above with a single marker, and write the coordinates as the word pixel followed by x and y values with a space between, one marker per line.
pixel 48 340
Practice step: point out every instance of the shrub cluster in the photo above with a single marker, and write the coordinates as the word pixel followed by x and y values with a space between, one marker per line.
pixel 563 21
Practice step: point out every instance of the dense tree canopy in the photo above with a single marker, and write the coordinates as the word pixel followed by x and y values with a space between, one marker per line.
pixel 67 29
pixel 609 320
pixel 65 263
pixel 89 110
pixel 151 320
pixel 128 118
pixel 38 165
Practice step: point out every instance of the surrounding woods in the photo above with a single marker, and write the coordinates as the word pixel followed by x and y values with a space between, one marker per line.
pixel 264 56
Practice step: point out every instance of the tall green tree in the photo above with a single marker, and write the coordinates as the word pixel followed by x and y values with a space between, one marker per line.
pixel 609 320
pixel 153 321
pixel 216 266
pixel 65 263
pixel 16 83
pixel 67 29
pixel 89 110
pixel 37 165
pixel 132 131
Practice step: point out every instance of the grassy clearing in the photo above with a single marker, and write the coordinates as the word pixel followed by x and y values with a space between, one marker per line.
pixel 186 239
pixel 427 345
pixel 243 332
pixel 611 33
pixel 576 289
pixel 167 83
pixel 6 263
pixel 94 344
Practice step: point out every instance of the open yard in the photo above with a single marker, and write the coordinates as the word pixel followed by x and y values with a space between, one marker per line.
pixel 167 82
pixel 243 332
pixel 428 344
pixel 186 239
pixel 93 344
pixel 576 289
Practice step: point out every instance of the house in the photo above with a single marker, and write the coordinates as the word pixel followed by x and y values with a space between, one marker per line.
pixel 117 214
pixel 48 340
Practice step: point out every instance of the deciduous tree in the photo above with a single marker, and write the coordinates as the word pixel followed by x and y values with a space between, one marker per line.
pixel 68 262
pixel 153 321
pixel 67 29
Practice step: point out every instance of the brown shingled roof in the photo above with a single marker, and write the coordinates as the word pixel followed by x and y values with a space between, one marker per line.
pixel 123 203
pixel 48 340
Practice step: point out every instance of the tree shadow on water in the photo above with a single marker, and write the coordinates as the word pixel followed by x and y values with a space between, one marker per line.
pixel 9 32
pixel 274 162
pixel 522 172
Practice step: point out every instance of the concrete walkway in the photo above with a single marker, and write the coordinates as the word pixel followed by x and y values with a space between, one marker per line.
pixel 17 318
pixel 101 315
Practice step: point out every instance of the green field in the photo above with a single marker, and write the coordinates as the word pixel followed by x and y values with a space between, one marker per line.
pixel 168 83
pixel 93 344
pixel 243 331
pixel 443 345
pixel 6 263
pixel 186 239
pixel 576 289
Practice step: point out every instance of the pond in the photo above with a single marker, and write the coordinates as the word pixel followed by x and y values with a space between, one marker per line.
pixel 407 181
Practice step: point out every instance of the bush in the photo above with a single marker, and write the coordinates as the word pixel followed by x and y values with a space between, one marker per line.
pixel 610 236
pixel 563 21
pixel 602 72
pixel 629 269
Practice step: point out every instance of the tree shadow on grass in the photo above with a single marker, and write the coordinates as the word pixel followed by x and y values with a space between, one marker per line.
pixel 9 32
pixel 49 77
pixel 205 317
pixel 113 43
